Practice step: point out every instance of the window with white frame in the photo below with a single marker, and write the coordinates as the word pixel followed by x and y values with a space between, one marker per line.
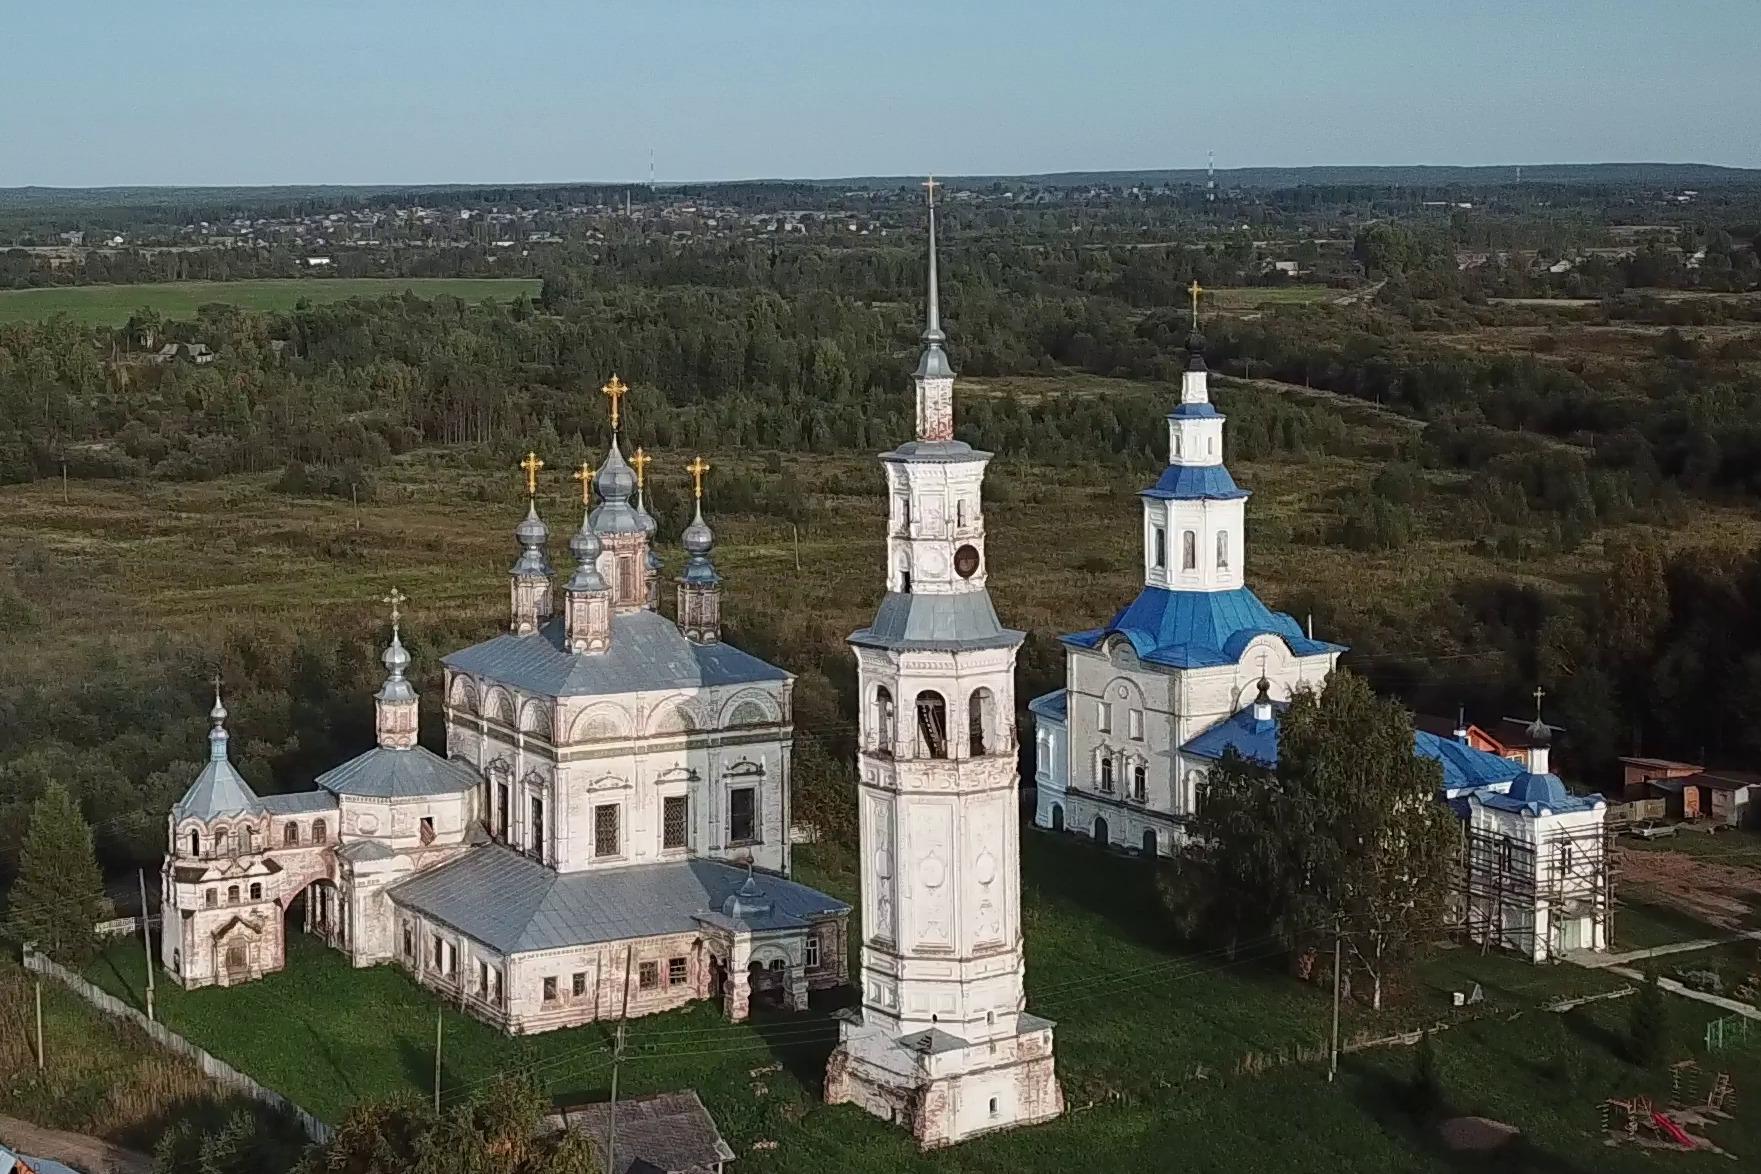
pixel 1189 550
pixel 1104 717
pixel 812 951
pixel 1159 539
pixel 1139 781
pixel 1222 550
pixel 1134 725
pixel 1107 774
pixel 674 812
pixel 743 815
pixel 605 829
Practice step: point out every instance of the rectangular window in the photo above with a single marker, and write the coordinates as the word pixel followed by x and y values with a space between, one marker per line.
pixel 578 984
pixel 426 832
pixel 1138 782
pixel 605 830
pixel 535 831
pixel 1107 775
pixel 1189 550
pixel 1134 724
pixel 1161 547
pixel 1104 717
pixel 439 954
pixel 648 976
pixel 743 815
pixel 674 811
pixel 1222 550
pixel 812 952
pixel 550 988
pixel 675 971
pixel 409 941
pixel 482 979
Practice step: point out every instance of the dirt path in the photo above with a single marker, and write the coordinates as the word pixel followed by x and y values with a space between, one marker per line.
pixel 74 1149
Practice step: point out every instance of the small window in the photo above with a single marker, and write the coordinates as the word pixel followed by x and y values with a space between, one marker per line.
pixel 812 952
pixel 536 831
pixel 1189 550
pixel 904 581
pixel 195 843
pixel 960 514
pixel 1134 725
pixel 482 979
pixel 1211 445
pixel 1104 717
pixel 648 976
pixel 550 988
pixel 248 839
pixel 1159 539
pixel 743 815
pixel 220 841
pixel 409 941
pixel 1139 782
pixel 290 836
pixel 605 830
pixel 676 971
pixel 578 983
pixel 232 894
pixel 439 954
pixel 318 833
pixel 1222 550
pixel 1107 775
pixel 673 816
pixel 1177 445
pixel 993 1106
pixel 211 898
pixel 426 830
pixel 256 892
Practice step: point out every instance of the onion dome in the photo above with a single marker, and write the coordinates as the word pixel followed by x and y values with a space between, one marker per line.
pixel 531 534
pixel 396 659
pixel 586 547
pixel 615 482
pixel 699 541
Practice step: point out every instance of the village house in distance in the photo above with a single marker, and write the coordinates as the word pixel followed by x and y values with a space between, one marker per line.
pixel 606 836
pixel 1197 664
pixel 942 1042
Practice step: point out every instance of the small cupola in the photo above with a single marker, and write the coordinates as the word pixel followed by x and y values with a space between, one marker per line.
pixel 1540 739
pixel 394 706
pixel 586 596
pixel 1262 704
pixel 529 578
pixel 700 585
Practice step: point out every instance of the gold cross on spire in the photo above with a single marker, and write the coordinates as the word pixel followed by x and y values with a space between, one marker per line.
pixel 930 185
pixel 697 468
pixel 614 390
pixel 1195 289
pixel 530 467
pixel 585 476
pixel 639 461
pixel 394 597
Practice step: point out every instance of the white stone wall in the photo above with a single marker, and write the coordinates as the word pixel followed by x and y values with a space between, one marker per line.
pixel 934 509
pixel 1531 923
pixel 1208 521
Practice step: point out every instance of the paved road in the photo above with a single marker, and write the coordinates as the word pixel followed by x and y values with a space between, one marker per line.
pixel 1597 961
pixel 87 1154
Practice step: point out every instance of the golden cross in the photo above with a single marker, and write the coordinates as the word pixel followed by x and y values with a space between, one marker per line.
pixel 931 185
pixel 640 460
pixel 585 476
pixel 530 466
pixel 614 391
pixel 394 597
pixel 697 468
pixel 1195 289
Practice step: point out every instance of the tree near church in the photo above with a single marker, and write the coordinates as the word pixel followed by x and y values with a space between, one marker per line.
pixel 1345 833
pixel 59 894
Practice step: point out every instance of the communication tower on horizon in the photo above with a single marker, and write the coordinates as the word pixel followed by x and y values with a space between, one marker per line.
pixel 1210 177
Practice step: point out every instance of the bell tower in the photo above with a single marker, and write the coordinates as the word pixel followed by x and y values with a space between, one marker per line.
pixel 943 1042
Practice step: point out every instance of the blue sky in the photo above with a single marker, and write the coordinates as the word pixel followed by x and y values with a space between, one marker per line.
pixel 395 91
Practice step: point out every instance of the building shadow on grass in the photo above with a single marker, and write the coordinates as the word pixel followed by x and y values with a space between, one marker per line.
pixel 1389 1102
pixel 1109 885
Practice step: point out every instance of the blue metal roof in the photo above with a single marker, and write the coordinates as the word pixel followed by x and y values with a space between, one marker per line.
pixel 1464 768
pixel 1252 739
pixel 1198 629
pixel 1194 411
pixel 1186 482
pixel 1054 705
pixel 1534 794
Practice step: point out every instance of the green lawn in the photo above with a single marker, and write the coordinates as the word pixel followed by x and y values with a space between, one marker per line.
pixel 111 305
pixel 1165 1053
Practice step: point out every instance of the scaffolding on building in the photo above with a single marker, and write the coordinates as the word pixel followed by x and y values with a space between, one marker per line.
pixel 1565 880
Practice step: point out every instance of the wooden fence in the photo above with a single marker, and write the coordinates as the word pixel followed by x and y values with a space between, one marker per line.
pixel 213 1067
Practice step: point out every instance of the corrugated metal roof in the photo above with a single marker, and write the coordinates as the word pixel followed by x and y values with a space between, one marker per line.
pixel 668 1133
pixel 1198 629
pixel 387 773
pixel 647 652
pixel 514 904
pixel 964 620
pixel 299 802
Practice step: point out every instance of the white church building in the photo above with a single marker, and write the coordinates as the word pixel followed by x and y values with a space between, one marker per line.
pixel 607 835
pixel 942 1043
pixel 1196 665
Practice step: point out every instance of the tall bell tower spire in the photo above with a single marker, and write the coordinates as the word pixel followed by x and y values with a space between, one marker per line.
pixel 943 1042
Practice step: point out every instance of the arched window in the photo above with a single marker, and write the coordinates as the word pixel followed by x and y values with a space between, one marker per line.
pixel 290 836
pixel 211 898
pixel 1189 551
pixel 904 579
pixel 1222 550
pixel 256 891
pixel 1139 780
pixel 1177 444
pixel 318 832
pixel 248 838
pixel 981 708
pixel 885 720
pixel 1161 547
pixel 232 894
pixel 1107 775
pixel 220 841
pixel 195 842
pixel 932 724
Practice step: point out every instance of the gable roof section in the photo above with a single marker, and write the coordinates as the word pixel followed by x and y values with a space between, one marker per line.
pixel 1199 629
pixel 648 652
pixel 218 790
pixel 1252 739
pixel 667 1132
pixel 386 773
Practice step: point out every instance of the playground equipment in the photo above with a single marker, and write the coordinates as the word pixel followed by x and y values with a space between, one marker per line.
pixel 1671 1130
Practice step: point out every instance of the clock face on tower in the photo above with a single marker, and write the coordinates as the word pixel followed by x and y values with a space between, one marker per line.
pixel 966 560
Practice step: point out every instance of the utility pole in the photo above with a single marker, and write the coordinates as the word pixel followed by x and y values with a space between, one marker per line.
pixel 617 1058
pixel 1338 966
pixel 797 531
pixel 439 1019
pixel 146 938
pixel 41 1061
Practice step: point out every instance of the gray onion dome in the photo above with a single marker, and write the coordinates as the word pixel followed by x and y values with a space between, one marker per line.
pixel 586 548
pixel 532 534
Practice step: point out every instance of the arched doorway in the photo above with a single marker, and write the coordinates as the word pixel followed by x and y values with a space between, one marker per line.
pixel 1149 843
pixel 766 982
pixel 1101 837
pixel 1057 817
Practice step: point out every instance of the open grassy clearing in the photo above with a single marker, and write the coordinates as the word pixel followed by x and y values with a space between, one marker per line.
pixel 1162 1048
pixel 111 305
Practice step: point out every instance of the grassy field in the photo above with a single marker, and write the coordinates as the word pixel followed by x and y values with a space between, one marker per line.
pixel 1162 1050
pixel 110 305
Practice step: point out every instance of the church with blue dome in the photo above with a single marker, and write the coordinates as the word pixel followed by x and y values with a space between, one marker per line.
pixel 1197 665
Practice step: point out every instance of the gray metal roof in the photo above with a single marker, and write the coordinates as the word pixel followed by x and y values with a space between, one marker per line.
pixel 669 1132
pixel 964 620
pixel 299 802
pixel 219 789
pixel 359 851
pixel 647 652
pixel 513 904
pixel 955 452
pixel 387 773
